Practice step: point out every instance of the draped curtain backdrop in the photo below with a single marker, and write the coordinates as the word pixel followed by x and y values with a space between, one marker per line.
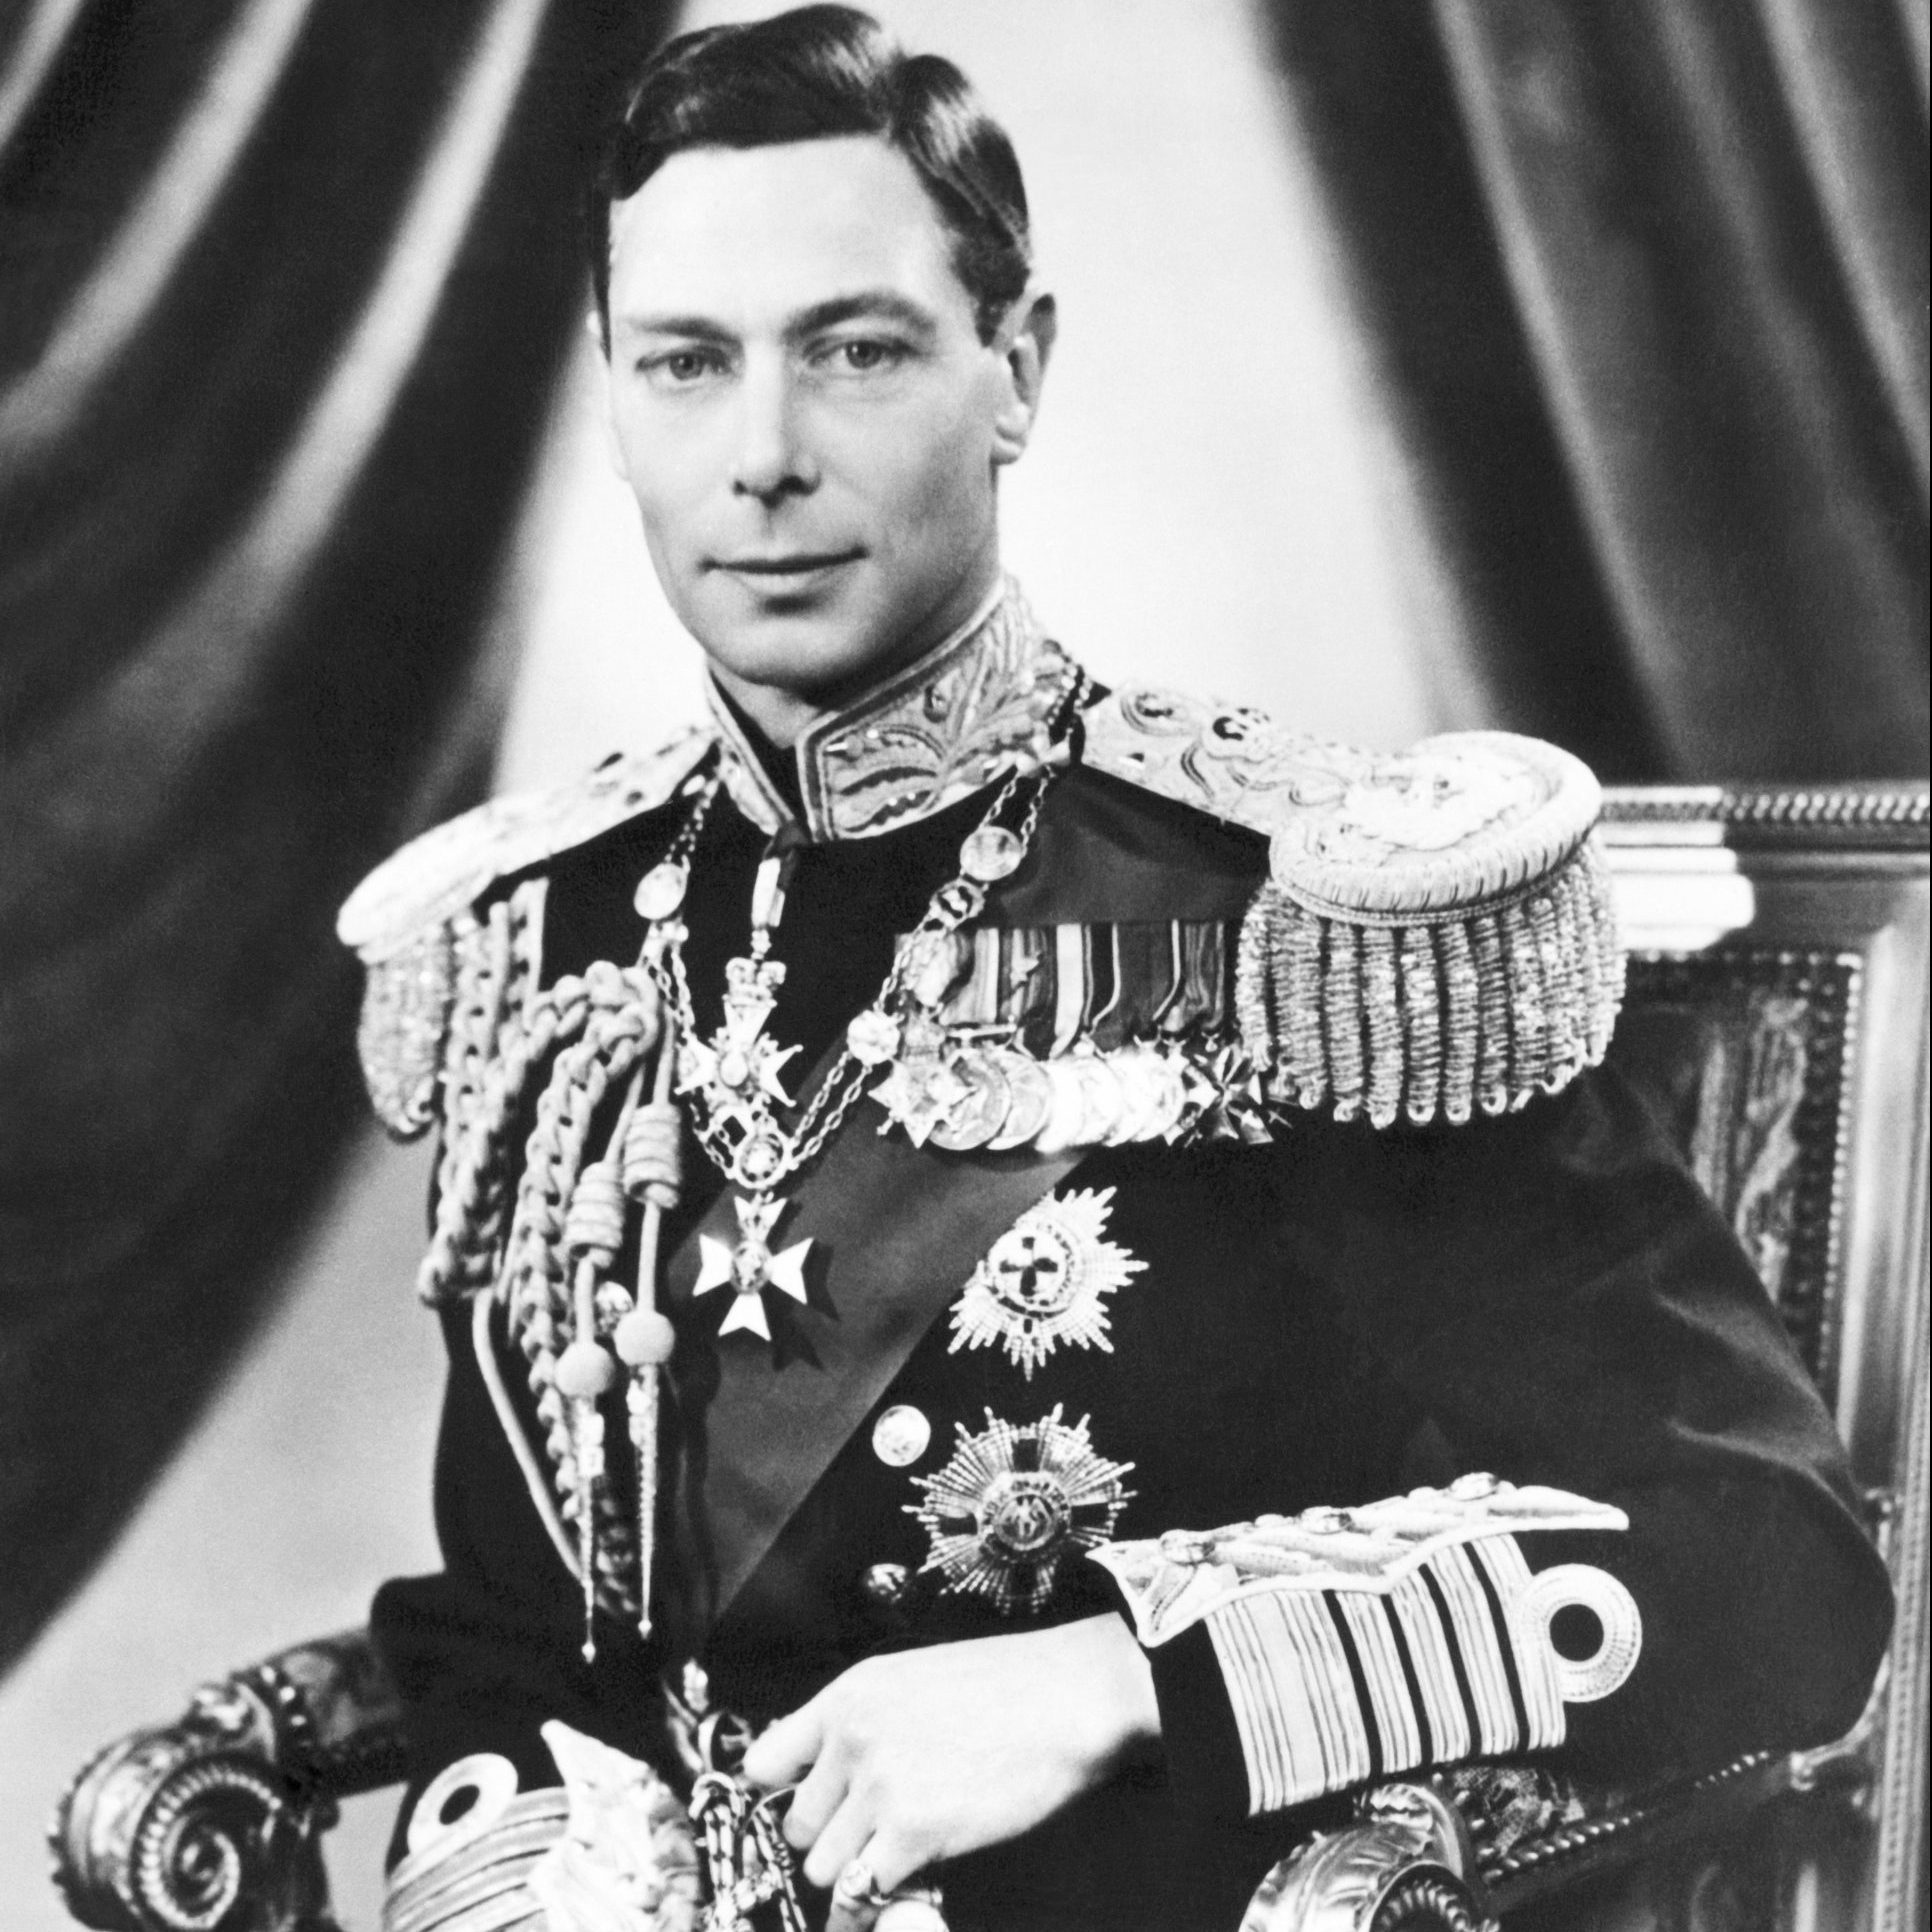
pixel 283 287
pixel 1646 287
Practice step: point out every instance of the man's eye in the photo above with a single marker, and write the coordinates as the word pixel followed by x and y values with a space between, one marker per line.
pixel 865 355
pixel 680 367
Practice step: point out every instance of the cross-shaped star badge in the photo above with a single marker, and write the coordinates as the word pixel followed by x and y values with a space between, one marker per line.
pixel 738 1068
pixel 750 1268
pixel 918 1095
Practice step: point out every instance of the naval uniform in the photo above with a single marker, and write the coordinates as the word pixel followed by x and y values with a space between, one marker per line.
pixel 1381 1253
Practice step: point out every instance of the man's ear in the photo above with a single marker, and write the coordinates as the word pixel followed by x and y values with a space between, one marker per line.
pixel 595 328
pixel 1024 345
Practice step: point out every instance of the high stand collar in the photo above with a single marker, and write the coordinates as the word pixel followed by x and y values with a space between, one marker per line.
pixel 977 706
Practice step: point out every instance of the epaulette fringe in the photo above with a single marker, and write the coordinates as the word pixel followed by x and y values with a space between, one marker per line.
pixel 402 1029
pixel 432 1011
pixel 1432 1017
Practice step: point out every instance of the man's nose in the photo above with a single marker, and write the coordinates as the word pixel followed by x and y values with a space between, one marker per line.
pixel 771 460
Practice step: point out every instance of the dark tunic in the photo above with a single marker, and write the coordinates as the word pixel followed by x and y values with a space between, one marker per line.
pixel 1327 1319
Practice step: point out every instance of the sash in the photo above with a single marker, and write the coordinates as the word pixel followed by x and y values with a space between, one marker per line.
pixel 895 1230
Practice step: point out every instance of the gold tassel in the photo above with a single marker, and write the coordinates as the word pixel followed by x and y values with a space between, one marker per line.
pixel 1528 1007
pixel 1422 1023
pixel 1461 1020
pixel 1342 1019
pixel 1493 1017
pixel 1302 1027
pixel 1381 1007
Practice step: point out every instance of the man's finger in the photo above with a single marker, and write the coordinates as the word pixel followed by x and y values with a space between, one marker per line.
pixel 851 1914
pixel 845 1835
pixel 889 1864
pixel 784 1753
pixel 816 1801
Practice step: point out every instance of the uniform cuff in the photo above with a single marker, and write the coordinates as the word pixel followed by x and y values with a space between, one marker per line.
pixel 1295 1657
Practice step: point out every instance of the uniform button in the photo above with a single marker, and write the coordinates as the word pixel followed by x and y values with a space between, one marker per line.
pixel 900 1436
pixel 886 1583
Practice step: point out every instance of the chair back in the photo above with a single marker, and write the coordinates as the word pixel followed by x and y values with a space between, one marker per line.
pixel 1777 1018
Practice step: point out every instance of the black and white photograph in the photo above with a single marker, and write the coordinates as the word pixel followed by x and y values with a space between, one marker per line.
pixel 964 965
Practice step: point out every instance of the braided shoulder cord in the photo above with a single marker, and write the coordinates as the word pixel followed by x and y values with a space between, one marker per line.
pixel 482 974
pixel 526 944
pixel 462 1257
pixel 581 1036
pixel 484 967
pixel 620 1029
pixel 501 1031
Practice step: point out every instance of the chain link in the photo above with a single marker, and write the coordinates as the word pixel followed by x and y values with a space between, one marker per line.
pixel 957 901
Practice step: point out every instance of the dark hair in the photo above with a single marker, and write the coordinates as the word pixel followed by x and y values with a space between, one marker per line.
pixel 809 75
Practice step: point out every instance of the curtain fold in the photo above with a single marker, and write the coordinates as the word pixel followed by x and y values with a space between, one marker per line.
pixel 1646 286
pixel 287 286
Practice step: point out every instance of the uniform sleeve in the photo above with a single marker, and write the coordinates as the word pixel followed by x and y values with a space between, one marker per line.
pixel 1668 1568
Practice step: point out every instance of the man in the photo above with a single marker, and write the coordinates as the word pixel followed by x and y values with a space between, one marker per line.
pixel 915 1148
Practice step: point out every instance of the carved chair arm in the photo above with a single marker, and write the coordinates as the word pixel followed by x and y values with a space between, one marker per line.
pixel 213 1823
pixel 1452 1854
pixel 1406 1865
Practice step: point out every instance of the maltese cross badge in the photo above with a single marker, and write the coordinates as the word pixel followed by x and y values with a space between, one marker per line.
pixel 750 1268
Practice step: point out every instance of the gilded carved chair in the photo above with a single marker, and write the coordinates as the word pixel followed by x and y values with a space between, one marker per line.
pixel 1778 1017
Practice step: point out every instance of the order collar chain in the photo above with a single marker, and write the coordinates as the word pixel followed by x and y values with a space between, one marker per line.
pixel 733 1078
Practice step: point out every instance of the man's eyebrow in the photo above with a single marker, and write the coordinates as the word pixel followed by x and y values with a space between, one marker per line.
pixel 696 327
pixel 867 305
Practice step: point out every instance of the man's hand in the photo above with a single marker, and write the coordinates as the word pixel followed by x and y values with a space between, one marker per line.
pixel 925 1754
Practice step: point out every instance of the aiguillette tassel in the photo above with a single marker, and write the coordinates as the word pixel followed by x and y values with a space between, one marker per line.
pixel 644 1337
pixel 593 1233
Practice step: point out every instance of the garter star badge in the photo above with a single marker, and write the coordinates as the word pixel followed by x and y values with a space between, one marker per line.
pixel 1013 1501
pixel 1045 1280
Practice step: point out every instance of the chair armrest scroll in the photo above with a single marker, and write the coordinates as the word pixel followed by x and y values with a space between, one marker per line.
pixel 213 1823
pixel 1406 1865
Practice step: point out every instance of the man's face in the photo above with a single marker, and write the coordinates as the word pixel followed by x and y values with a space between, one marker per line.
pixel 805 412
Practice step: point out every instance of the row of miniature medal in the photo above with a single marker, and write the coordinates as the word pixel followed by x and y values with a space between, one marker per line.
pixel 969 1094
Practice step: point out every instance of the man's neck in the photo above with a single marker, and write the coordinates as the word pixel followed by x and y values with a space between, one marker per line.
pixel 784 715
pixel 980 701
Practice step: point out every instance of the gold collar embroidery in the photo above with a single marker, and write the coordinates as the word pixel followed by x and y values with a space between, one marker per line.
pixel 974 708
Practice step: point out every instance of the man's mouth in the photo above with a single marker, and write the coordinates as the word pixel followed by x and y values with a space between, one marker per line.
pixel 787 567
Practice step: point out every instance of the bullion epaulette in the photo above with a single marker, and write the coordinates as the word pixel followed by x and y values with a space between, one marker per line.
pixel 428 951
pixel 1436 935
